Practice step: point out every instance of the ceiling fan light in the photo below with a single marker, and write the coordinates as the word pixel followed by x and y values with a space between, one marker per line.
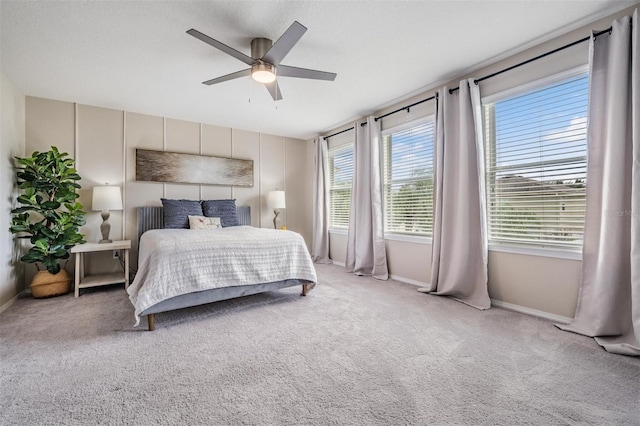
pixel 263 73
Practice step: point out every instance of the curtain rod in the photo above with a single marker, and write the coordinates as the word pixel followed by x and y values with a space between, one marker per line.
pixel 566 46
pixel 338 133
pixel 343 131
pixel 407 107
pixel 387 114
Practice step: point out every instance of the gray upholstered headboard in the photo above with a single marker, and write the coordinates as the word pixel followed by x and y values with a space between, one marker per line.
pixel 150 217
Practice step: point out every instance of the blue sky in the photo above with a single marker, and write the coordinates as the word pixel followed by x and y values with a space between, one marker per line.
pixel 343 165
pixel 412 151
pixel 552 122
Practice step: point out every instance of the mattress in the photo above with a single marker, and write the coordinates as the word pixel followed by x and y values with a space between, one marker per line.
pixel 175 262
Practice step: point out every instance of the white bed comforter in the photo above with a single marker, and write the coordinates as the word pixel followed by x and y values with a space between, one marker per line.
pixel 173 262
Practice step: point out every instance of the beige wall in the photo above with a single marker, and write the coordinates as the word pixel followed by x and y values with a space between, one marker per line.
pixel 536 283
pixel 12 128
pixel 298 180
pixel 103 142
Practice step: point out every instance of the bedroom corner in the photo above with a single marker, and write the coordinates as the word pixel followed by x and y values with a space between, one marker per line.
pixel 12 129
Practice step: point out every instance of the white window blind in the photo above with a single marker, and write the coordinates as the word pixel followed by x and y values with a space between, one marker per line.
pixel 408 180
pixel 536 165
pixel 340 183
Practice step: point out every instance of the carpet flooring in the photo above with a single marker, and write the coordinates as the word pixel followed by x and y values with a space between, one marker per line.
pixel 356 351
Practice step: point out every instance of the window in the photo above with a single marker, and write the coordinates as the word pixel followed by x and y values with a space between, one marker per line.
pixel 408 180
pixel 536 164
pixel 340 182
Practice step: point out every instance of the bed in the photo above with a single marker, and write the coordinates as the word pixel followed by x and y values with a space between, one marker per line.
pixel 179 268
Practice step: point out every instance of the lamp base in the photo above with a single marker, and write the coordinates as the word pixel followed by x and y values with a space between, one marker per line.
pixel 105 227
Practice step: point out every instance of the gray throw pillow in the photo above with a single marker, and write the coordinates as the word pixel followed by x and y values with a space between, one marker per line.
pixel 224 209
pixel 176 212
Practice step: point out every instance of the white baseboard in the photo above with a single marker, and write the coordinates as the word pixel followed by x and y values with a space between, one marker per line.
pixel 10 302
pixel 531 311
pixel 408 281
pixel 393 277
pixel 497 303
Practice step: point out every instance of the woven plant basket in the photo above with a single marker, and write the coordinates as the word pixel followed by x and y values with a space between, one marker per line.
pixel 45 284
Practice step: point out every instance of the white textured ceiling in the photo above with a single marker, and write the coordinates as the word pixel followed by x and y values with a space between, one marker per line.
pixel 136 56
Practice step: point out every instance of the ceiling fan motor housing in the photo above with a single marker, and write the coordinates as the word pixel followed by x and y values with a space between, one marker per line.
pixel 260 46
pixel 262 71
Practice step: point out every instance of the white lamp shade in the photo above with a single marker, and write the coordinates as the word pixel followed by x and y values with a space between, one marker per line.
pixel 276 200
pixel 106 198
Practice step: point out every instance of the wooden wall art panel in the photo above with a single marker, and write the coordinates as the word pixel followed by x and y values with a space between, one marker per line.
pixel 163 166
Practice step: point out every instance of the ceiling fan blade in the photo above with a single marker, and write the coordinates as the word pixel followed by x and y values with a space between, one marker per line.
pixel 221 46
pixel 286 71
pixel 285 43
pixel 274 90
pixel 227 77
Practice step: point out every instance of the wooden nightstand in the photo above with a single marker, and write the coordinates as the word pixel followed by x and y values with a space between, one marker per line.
pixel 83 281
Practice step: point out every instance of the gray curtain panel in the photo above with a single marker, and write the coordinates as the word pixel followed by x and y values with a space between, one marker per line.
pixel 459 256
pixel 366 253
pixel 320 244
pixel 609 300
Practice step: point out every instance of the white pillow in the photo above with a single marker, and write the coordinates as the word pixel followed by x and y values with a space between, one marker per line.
pixel 203 222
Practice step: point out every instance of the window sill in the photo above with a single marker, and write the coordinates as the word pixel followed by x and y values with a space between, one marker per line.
pixel 535 251
pixel 527 251
pixel 408 238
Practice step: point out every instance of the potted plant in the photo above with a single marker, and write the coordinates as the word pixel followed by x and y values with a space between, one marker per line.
pixel 49 216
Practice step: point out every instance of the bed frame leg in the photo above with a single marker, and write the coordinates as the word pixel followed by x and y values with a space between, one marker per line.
pixel 304 290
pixel 151 318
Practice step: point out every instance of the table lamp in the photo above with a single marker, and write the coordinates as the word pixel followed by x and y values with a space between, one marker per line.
pixel 276 200
pixel 106 198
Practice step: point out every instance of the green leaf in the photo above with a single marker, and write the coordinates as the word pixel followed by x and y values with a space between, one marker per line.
pixel 48 233
pixel 50 205
pixel 25 161
pixel 18 228
pixel 21 210
pixel 32 257
pixel 53 267
pixel 42 244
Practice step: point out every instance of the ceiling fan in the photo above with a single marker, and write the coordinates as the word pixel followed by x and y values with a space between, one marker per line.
pixel 265 60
